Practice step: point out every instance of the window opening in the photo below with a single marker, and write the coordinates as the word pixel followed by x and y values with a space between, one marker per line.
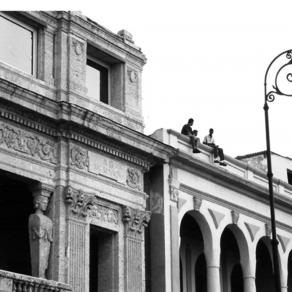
pixel 18 44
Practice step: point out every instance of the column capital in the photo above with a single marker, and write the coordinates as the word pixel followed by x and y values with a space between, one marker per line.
pixel 135 220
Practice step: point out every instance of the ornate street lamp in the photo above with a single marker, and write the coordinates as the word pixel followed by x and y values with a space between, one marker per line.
pixel 279 78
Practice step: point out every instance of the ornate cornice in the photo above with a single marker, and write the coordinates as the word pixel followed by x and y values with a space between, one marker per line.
pixel 135 221
pixel 68 131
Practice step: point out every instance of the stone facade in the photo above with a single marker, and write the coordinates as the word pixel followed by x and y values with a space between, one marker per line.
pixel 213 223
pixel 91 155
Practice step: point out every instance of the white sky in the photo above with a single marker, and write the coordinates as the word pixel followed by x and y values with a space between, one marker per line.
pixel 206 60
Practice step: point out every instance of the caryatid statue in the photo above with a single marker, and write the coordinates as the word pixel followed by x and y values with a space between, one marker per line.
pixel 40 235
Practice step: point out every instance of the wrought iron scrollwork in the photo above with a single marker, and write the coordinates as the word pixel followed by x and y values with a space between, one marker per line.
pixel 282 80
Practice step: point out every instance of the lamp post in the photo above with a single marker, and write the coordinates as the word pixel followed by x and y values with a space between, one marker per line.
pixel 279 76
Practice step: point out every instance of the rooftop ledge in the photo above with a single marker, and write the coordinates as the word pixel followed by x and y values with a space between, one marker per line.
pixel 234 166
pixel 10 282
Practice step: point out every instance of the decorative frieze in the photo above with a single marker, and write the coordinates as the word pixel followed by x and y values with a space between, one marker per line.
pixel 87 205
pixel 135 221
pixel 24 142
pixel 104 214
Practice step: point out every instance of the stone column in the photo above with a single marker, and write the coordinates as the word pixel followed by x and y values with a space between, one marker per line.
pixel 135 221
pixel 213 271
pixel 77 245
pixel 249 283
pixel 40 233
pixel 175 276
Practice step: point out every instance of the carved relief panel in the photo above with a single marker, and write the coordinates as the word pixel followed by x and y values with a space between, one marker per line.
pixel 106 166
pixel 28 143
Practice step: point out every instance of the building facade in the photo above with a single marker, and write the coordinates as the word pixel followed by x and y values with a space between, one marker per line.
pixel 89 203
pixel 73 155
pixel 214 223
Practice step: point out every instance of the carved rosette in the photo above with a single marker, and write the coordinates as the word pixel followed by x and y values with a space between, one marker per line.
pixel 79 203
pixel 78 47
pixel 27 143
pixel 135 221
pixel 79 157
pixel 133 179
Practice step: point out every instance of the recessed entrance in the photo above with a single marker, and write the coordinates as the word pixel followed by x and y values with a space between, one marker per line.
pixel 16 204
pixel 103 267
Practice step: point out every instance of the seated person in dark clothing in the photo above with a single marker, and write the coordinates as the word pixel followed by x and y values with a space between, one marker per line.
pixel 209 140
pixel 187 130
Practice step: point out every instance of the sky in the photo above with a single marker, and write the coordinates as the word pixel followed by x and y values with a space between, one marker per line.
pixel 206 60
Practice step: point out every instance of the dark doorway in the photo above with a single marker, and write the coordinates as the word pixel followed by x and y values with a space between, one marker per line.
pixel 264 268
pixel 16 204
pixel 231 272
pixel 201 274
pixel 103 265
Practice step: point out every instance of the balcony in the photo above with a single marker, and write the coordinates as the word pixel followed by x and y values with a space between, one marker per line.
pixel 13 282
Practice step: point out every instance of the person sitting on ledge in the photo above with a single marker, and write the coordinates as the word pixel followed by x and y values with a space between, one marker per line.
pixel 209 140
pixel 187 130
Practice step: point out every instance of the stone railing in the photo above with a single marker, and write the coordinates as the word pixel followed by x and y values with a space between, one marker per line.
pixel 13 282
pixel 235 167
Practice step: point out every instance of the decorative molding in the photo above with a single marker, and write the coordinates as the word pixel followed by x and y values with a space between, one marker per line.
pixel 133 76
pixel 197 202
pixel 104 214
pixel 135 221
pixel 173 185
pixel 87 205
pixel 78 47
pixel 79 157
pixel 43 125
pixel 173 193
pixel 284 241
pixel 234 217
pixel 134 179
pixel 216 216
pixel 252 229
pixel 79 202
pixel 22 141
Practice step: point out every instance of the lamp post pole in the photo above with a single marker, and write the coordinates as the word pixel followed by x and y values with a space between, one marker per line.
pixel 281 84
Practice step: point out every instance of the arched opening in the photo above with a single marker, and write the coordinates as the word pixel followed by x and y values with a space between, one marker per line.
pixel 264 267
pixel 15 207
pixel 201 274
pixel 231 271
pixel 236 279
pixel 193 263
pixel 290 272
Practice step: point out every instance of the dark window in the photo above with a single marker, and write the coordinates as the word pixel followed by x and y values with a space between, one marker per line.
pixel 18 44
pixel 97 81
pixel 289 176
